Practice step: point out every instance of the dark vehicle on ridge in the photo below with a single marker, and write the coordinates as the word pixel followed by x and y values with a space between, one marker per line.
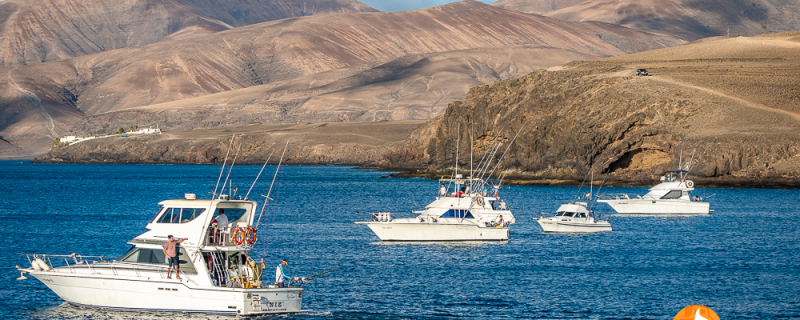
pixel 642 72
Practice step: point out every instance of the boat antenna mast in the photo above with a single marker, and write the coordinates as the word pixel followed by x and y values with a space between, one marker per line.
pixel 227 177
pixel 504 152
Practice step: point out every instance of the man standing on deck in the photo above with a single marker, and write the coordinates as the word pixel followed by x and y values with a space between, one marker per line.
pixel 281 279
pixel 171 252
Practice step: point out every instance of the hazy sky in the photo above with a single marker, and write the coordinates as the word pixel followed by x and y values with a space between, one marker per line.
pixel 399 5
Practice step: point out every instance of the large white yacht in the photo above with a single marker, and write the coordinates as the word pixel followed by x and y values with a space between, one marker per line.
pixel 573 217
pixel 670 197
pixel 468 209
pixel 213 271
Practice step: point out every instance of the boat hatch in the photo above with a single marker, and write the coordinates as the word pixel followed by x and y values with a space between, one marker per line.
pixel 457 213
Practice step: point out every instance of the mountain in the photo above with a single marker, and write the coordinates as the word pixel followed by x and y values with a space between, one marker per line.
pixel 34 31
pixel 730 103
pixel 535 6
pixel 686 19
pixel 343 67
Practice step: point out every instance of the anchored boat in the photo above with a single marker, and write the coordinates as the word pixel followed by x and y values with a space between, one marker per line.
pixel 673 196
pixel 463 214
pixel 215 277
pixel 573 217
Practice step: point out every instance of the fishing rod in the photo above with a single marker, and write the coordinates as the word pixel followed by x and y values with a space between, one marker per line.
pixel 259 174
pixel 273 182
pixel 221 170
pixel 322 274
pixel 505 152
pixel 231 169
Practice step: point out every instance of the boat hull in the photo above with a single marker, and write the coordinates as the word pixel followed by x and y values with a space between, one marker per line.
pixel 556 226
pixel 168 295
pixel 658 207
pixel 392 231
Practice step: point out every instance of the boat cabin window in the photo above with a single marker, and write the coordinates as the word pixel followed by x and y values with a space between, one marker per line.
pixel 233 214
pixel 580 215
pixel 180 215
pixel 566 214
pixel 156 256
pixel 456 213
pixel 673 194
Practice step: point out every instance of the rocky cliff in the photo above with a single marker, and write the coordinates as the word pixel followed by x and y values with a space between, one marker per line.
pixel 730 103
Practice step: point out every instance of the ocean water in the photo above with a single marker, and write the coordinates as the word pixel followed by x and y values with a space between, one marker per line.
pixel 742 261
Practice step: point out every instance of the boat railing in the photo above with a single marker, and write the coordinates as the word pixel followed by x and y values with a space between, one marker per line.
pixel 73 261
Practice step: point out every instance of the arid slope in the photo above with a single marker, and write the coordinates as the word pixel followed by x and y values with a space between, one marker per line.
pixel 34 31
pixel 733 101
pixel 345 50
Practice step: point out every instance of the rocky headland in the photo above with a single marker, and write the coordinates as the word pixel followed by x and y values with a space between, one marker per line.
pixel 732 104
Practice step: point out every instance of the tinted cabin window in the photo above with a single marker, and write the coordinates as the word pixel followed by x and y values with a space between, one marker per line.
pixel 156 256
pixel 674 194
pixel 180 215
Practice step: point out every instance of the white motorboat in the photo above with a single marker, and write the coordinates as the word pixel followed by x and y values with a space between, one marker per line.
pixel 212 266
pixel 573 217
pixel 670 197
pixel 464 215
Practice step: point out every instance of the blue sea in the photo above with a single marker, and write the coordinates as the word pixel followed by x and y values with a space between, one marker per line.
pixel 741 261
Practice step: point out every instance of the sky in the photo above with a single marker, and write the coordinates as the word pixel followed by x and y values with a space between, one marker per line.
pixel 400 5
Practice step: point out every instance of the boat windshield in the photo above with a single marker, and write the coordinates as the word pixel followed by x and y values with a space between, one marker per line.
pixel 157 257
pixel 673 194
pixel 456 213
pixel 180 215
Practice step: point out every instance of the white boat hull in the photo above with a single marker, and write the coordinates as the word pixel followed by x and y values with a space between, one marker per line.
pixel 556 226
pixel 658 207
pixel 156 294
pixel 394 231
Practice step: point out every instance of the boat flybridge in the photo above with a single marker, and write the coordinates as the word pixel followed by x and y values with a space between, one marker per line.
pixel 467 209
pixel 670 197
pixel 574 217
pixel 214 274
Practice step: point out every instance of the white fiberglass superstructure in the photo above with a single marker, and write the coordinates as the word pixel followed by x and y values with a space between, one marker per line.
pixel 468 209
pixel 673 196
pixel 215 277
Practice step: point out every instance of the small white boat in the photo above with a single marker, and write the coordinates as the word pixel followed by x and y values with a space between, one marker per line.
pixel 673 196
pixel 573 217
pixel 467 215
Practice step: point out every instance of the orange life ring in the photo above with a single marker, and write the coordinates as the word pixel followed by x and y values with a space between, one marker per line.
pixel 238 236
pixel 250 236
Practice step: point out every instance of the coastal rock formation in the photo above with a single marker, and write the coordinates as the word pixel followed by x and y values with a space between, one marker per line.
pixel 731 104
pixel 312 143
pixel 343 67
pixel 34 31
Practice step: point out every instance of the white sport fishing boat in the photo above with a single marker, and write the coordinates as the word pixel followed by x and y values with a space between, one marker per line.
pixel 462 215
pixel 573 217
pixel 670 197
pixel 214 274
pixel 211 262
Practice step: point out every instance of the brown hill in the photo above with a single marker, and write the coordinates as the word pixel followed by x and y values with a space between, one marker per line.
pixel 734 101
pixel 535 6
pixel 287 55
pixel 686 19
pixel 33 31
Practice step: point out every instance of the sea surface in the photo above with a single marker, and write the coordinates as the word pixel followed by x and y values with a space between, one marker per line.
pixel 741 261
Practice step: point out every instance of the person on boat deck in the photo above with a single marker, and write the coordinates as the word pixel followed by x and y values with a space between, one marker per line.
pixel 171 252
pixel 503 205
pixel 442 191
pixel 222 219
pixel 663 178
pixel 281 279
pixel 500 221
pixel 258 268
pixel 234 274
pixel 461 191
